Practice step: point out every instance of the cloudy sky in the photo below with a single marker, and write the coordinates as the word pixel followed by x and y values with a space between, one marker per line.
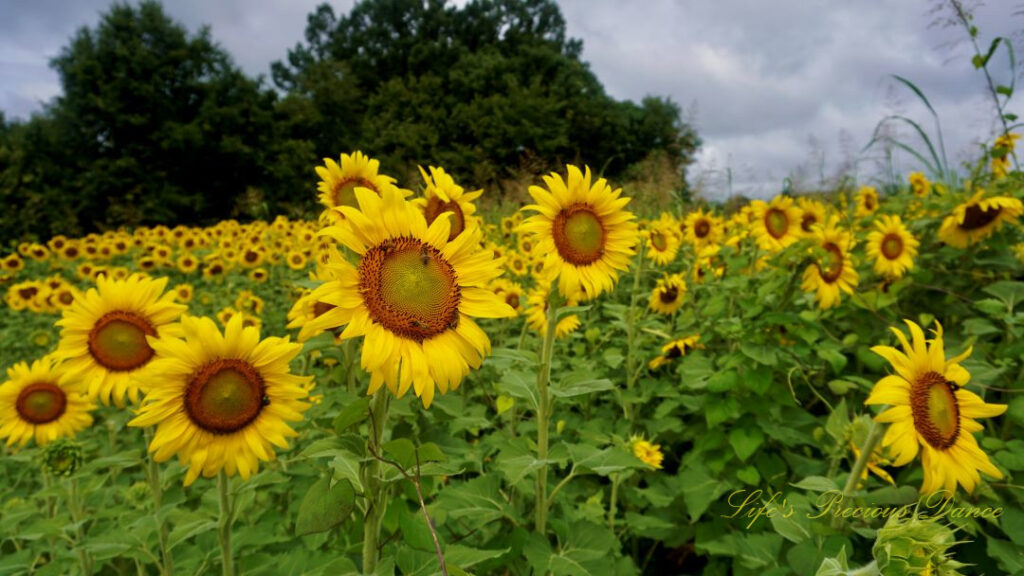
pixel 776 88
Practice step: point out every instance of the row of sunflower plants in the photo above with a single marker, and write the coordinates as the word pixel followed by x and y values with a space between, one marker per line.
pixel 823 384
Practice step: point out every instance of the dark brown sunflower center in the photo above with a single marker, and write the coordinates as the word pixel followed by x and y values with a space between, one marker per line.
pixel 41 402
pixel 344 193
pixel 118 341
pixel 66 297
pixel 936 412
pixel 409 288
pixel 702 228
pixel 579 235
pixel 659 241
pixel 669 294
pixel 975 217
pixel 435 207
pixel 225 396
pixel 892 246
pixel 776 222
pixel 808 220
pixel 28 293
pixel 512 299
pixel 832 264
pixel 675 351
pixel 869 202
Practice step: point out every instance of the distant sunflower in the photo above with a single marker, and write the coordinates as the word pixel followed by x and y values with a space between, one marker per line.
pixel 978 218
pixel 39 401
pixel 221 401
pixel 647 452
pixel 338 181
pixel 441 195
pixel 932 413
pixel 412 294
pixel 183 293
pixel 834 272
pixel 867 201
pixel 675 349
pixel 583 230
pixel 667 296
pixel 104 334
pixel 919 185
pixel 517 264
pixel 187 263
pixel 776 224
pixel 892 246
pixel 511 292
pixel 537 313
pixel 662 244
pixel 296 260
pixel 703 228
pixel 812 213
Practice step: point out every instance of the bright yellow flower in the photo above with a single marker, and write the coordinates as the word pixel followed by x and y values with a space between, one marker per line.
pixel 834 272
pixel 667 296
pixel 919 185
pixel 892 246
pixel 978 218
pixel 675 349
pixel 649 453
pixel 776 224
pixel 442 195
pixel 39 401
pixel 867 201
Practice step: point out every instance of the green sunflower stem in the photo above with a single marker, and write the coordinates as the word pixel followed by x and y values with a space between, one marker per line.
pixel 75 508
pixel 875 435
pixel 224 523
pixel 544 413
pixel 156 487
pixel 372 482
pixel 631 371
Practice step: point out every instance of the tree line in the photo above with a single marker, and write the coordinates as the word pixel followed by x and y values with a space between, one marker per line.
pixel 155 124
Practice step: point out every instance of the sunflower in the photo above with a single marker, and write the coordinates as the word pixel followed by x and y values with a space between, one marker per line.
pixel 259 275
pixel 932 413
pixel 537 312
pixel 1002 150
pixel 706 261
pixel 12 263
pixel 703 228
pixel 40 401
pixel 867 201
pixel 667 296
pixel 187 263
pixel 647 452
pixel 892 246
pixel 295 260
pixel 511 292
pixel 978 218
pixel 833 272
pixel 675 349
pixel 583 230
pixel 29 295
pixel 412 294
pixel 661 242
pixel 104 334
pixel 517 264
pixel 183 293
pixel 812 213
pixel 442 195
pixel 306 309
pixel 338 181
pixel 919 185
pixel 776 224
pixel 221 401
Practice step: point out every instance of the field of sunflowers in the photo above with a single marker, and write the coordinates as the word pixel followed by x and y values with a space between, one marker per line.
pixel 423 383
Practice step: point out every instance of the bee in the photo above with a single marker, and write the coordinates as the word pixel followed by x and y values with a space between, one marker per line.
pixel 419 325
pixel 265 400
pixel 454 323
pixel 424 255
pixel 953 385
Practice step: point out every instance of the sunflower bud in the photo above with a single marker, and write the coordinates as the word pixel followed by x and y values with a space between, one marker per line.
pixel 62 457
pixel 913 546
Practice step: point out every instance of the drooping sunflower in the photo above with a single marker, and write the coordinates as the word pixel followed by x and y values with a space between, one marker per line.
pixel 703 228
pixel 978 218
pixel 441 195
pixel 919 185
pixel 675 349
pixel 931 413
pixel 833 273
pixel 667 296
pixel 338 181
pixel 103 334
pixel 39 401
pixel 776 224
pixel 537 312
pixel 221 401
pixel 892 246
pixel 867 201
pixel 583 230
pixel 412 294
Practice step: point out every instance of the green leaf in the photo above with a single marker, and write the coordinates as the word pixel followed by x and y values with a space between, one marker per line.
pixel 699 490
pixel 578 384
pixel 1012 523
pixel 324 506
pixel 188 530
pixel 602 462
pixel 834 357
pixel 759 353
pixel 1009 556
pixel 504 403
pixel 745 441
pixel 478 500
pixel 1004 90
pixel 520 385
pixel 346 465
pixel 1008 291
pixel 466 557
pixel 816 484
pixel 353 413
pixel 401 450
pixel 430 452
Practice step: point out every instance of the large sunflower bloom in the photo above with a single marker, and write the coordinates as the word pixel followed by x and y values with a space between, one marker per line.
pixel 39 401
pixel 583 230
pixel 978 218
pixel 221 401
pixel 892 246
pixel 931 413
pixel 776 224
pixel 412 295
pixel 103 334
pixel 338 181
pixel 441 195
pixel 834 272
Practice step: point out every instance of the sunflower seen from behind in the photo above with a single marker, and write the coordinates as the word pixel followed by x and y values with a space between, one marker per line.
pixel 892 247
pixel 931 414
pixel 221 401
pixel 978 218
pixel 39 401
pixel 412 295
pixel 104 334
pixel 583 230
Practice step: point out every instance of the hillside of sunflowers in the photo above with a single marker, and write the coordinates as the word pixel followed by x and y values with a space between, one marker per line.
pixel 428 376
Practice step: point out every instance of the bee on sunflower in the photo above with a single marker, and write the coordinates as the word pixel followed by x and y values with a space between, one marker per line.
pixel 892 246
pixel 931 413
pixel 978 218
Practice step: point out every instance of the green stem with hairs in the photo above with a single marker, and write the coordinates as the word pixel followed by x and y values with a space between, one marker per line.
pixel 544 412
pixel 874 437
pixel 156 487
pixel 372 484
pixel 224 523
pixel 75 509
pixel 631 371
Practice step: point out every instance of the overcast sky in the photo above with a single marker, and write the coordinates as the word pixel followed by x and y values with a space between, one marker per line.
pixel 761 79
